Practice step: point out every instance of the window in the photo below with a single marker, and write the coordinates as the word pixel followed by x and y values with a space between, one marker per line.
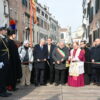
pixel 62 36
pixel 42 23
pixel 88 9
pixel 91 15
pixel 42 13
pixel 46 26
pixel 38 10
pixel 90 39
pixel 97 5
pixel 5 8
pixel 38 21
pixel 46 16
pixel 24 2
pixel 95 34
pixel 27 34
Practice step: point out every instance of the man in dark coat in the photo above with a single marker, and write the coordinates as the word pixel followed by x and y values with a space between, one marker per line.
pixel 14 69
pixel 60 56
pixel 40 58
pixel 96 60
pixel 87 66
pixel 50 69
pixel 4 60
pixel 93 76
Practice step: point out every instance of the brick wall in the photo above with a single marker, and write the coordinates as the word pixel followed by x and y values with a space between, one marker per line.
pixel 17 12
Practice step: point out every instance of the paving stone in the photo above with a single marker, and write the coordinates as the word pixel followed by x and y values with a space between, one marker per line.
pixel 51 92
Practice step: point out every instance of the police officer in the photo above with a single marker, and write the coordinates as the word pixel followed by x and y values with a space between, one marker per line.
pixel 4 60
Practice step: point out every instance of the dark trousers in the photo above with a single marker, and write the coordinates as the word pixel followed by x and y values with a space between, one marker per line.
pixel 3 78
pixel 11 77
pixel 60 76
pixel 97 70
pixel 52 74
pixel 95 75
pixel 51 71
pixel 87 79
pixel 66 75
pixel 39 76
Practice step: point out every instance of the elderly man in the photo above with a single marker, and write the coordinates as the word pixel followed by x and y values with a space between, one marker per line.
pixel 26 56
pixel 95 58
pixel 60 55
pixel 40 57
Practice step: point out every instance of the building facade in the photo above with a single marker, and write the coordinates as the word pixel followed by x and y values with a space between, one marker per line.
pixel 4 13
pixel 54 29
pixel 77 36
pixel 65 35
pixel 19 11
pixel 42 29
pixel 91 19
pixel 47 26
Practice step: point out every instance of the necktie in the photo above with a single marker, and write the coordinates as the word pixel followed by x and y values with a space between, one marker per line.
pixel 41 47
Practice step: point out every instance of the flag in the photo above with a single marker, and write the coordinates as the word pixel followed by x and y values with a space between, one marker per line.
pixel 32 16
pixel 33 10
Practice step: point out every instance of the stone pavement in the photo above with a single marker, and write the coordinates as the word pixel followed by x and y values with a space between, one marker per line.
pixel 52 92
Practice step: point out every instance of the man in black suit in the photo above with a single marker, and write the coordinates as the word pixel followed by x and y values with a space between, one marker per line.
pixel 4 61
pixel 50 69
pixel 40 57
pixel 95 58
pixel 87 66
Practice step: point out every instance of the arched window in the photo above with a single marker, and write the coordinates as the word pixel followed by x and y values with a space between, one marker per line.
pixel 62 36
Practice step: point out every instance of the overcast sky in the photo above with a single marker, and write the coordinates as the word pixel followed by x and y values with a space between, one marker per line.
pixel 67 12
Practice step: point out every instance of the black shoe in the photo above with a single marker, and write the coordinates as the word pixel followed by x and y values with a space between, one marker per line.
pixel 63 84
pixel 98 84
pixel 15 89
pixel 5 94
pixel 36 84
pixel 43 84
pixel 9 93
pixel 94 83
pixel 51 83
pixel 56 84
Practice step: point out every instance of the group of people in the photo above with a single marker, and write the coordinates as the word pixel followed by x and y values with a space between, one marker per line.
pixel 84 64
pixel 46 62
pixel 10 64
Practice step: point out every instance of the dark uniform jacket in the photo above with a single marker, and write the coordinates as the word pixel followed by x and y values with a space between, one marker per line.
pixel 4 58
pixel 4 51
pixel 14 69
